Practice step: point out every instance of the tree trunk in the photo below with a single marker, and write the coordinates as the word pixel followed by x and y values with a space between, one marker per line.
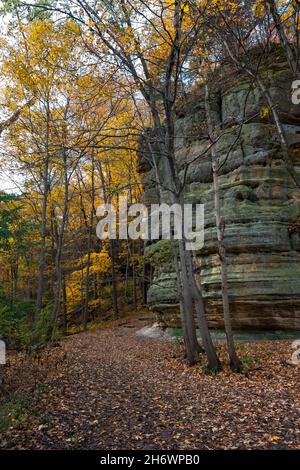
pixel 192 346
pixel 190 293
pixel 65 310
pixel 184 293
pixel 59 250
pixel 113 279
pixel 234 360
pixel 195 292
pixel 88 263
pixel 42 255
pixel 283 37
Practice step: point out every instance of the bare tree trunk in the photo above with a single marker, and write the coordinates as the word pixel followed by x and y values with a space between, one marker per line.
pixel 195 292
pixel 189 296
pixel 42 255
pixel 88 263
pixel 59 250
pixel 192 346
pixel 188 282
pixel 64 312
pixel 14 279
pixel 145 279
pixel 113 278
pixel 87 285
pixel 107 199
pixel 183 287
pixel 220 226
pixel 283 37
pixel 127 273
pixel 134 293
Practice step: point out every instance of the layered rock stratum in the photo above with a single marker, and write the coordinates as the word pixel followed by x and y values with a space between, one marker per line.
pixel 260 203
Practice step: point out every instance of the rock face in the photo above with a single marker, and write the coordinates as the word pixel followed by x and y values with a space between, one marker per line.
pixel 260 207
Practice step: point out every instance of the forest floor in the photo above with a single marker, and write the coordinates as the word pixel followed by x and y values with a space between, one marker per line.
pixel 111 389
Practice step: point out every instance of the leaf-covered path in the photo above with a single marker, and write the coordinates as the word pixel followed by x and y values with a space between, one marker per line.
pixel 110 389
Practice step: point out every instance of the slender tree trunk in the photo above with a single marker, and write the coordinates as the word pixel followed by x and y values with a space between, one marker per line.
pixel 234 360
pixel 195 292
pixel 14 279
pixel 184 293
pixel 283 37
pixel 189 295
pixel 192 346
pixel 107 199
pixel 88 263
pixel 113 278
pixel 87 282
pixel 188 282
pixel 134 289
pixel 59 251
pixel 127 272
pixel 45 193
pixel 42 255
pixel 65 310
pixel 58 286
pixel 145 278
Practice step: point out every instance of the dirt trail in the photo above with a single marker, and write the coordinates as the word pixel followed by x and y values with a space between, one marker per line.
pixel 110 389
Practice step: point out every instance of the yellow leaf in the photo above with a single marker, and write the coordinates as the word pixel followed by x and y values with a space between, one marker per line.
pixel 264 112
pixel 276 438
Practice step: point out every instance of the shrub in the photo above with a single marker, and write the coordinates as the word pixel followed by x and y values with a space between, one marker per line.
pixel 16 324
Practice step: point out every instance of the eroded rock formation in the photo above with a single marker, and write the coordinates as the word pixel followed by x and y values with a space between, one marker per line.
pixel 260 206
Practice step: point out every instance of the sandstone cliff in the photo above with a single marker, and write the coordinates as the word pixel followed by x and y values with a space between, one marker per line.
pixel 260 205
